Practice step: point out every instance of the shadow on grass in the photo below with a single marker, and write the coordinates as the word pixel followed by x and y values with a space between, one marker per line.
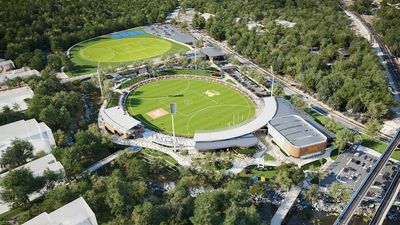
pixel 133 102
pixel 148 124
pixel 83 69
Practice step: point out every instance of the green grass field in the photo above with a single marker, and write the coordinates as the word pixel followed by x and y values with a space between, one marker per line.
pixel 112 52
pixel 201 105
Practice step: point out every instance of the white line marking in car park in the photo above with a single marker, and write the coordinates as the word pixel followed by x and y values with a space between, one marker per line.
pixel 337 176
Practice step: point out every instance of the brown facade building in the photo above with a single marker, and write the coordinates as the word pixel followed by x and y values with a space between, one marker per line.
pixel 296 137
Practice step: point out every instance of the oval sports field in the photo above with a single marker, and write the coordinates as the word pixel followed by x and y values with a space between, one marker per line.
pixel 202 105
pixel 119 49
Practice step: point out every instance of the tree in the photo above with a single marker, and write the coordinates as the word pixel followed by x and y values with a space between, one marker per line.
pixel 340 193
pixel 49 178
pixel 66 63
pixel 54 62
pixel 299 103
pixel 8 115
pixel 60 138
pixel 373 128
pixel 241 215
pixel 38 60
pixel 343 138
pixel 377 109
pixel 212 213
pixel 257 189
pixel 135 168
pixel 182 61
pixel 330 124
pixel 169 61
pixel 317 173
pixel 107 86
pixel 16 154
pixel 17 185
pixel 278 90
pixel 148 214
pixel 89 146
pixel 288 175
pixel 198 22
pixel 362 6
pixel 312 194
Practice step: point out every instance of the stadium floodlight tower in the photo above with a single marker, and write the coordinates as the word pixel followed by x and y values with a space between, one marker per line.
pixel 273 81
pixel 172 108
pixel 98 77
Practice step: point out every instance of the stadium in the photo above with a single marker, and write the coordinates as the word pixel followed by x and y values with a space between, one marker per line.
pixel 212 113
pixel 121 48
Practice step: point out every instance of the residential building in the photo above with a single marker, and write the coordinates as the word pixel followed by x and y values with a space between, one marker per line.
pixel 22 73
pixel 76 212
pixel 6 65
pixel 39 134
pixel 39 166
pixel 15 97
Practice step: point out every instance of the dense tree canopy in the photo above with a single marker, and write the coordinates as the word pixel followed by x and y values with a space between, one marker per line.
pixel 387 23
pixel 17 154
pixel 17 185
pixel 89 146
pixel 53 104
pixel 125 197
pixel 29 30
pixel 8 115
pixel 355 84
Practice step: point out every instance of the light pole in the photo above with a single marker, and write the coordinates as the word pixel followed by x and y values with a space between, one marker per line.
pixel 98 77
pixel 273 81
pixel 172 108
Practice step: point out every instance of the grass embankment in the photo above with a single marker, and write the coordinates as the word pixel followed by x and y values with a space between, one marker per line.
pixel 174 71
pixel 231 81
pixel 132 81
pixel 10 214
pixel 114 100
pixel 251 171
pixel 157 154
pixel 268 157
pixel 246 151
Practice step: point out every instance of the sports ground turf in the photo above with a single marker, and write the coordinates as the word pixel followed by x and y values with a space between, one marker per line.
pixel 201 105
pixel 112 51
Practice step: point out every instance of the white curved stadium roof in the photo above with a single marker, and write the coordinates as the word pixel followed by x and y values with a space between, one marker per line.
pixel 264 116
pixel 118 118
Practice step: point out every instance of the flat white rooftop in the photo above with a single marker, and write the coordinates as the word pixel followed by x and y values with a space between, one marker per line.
pixel 22 73
pixel 264 116
pixel 119 118
pixel 76 212
pixel 15 96
pixel 297 131
pixel 39 134
pixel 38 166
pixel 6 63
